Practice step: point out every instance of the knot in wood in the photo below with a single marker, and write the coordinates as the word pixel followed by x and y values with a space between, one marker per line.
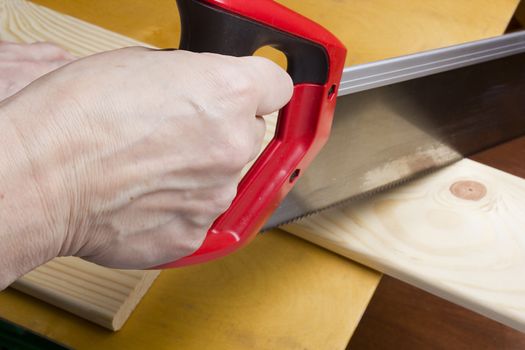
pixel 468 190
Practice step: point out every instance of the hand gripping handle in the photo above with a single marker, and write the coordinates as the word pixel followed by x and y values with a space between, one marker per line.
pixel 315 63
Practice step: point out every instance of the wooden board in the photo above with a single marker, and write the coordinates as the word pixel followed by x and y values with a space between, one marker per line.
pixel 520 14
pixel 427 322
pixel 275 294
pixel 22 21
pixel 104 296
pixel 458 233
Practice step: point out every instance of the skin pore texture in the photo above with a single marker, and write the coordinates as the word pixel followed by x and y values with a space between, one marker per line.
pixel 124 158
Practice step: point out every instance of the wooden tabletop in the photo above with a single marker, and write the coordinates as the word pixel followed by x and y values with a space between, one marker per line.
pixel 371 29
pixel 280 292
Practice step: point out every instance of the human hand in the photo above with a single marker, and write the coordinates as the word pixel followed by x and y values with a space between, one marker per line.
pixel 20 64
pixel 133 153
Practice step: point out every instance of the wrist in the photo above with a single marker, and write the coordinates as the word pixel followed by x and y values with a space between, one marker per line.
pixel 26 234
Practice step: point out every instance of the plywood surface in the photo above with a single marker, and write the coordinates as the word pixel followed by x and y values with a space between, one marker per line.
pixel 371 29
pixel 279 293
pixel 458 233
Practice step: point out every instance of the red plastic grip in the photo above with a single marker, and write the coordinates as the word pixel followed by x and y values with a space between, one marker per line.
pixel 302 129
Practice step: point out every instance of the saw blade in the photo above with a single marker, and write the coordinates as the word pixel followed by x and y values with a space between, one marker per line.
pixel 400 118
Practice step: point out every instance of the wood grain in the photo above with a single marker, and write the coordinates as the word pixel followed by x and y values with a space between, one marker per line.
pixel 104 296
pixel 465 245
pixel 371 29
pixel 22 21
pixel 430 322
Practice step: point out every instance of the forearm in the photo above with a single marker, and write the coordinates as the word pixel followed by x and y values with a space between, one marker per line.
pixel 24 243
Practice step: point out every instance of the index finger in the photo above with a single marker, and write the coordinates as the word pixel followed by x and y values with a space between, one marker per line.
pixel 274 85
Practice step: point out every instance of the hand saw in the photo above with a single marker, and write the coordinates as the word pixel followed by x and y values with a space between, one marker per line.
pixel 396 119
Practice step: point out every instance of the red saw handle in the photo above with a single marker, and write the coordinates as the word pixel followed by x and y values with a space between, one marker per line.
pixel 315 63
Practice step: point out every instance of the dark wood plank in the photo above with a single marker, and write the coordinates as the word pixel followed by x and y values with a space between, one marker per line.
pixel 509 157
pixel 400 316
pixel 404 317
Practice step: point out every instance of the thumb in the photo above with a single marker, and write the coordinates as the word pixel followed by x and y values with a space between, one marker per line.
pixel 274 85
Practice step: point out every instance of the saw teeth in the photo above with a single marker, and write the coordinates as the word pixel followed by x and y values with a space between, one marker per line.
pixel 368 194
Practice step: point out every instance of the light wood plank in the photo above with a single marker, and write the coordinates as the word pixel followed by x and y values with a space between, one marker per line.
pixel 104 296
pixel 458 233
pixel 23 21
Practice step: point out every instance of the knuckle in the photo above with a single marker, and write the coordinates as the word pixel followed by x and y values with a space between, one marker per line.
pixel 233 82
pixel 262 63
pixel 174 249
pixel 192 246
pixel 242 86
pixel 218 200
pixel 232 150
pixel 238 152
pixel 197 238
pixel 223 198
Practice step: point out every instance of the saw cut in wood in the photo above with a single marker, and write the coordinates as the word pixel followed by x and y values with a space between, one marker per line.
pixel 458 233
